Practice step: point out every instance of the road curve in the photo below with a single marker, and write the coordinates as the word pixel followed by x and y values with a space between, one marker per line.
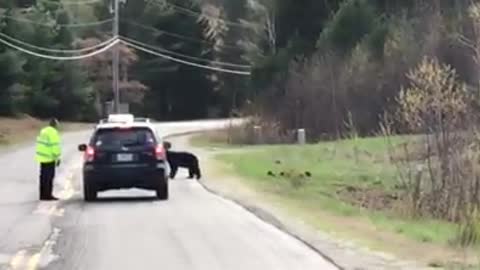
pixel 128 229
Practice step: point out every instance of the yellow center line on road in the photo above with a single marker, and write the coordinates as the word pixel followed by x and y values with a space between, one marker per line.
pixel 49 210
pixel 46 253
pixel 17 261
pixel 24 261
pixel 68 188
pixel 55 211
pixel 34 261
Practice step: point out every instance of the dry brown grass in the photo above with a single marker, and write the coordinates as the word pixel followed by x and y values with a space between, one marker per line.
pixel 14 130
pixel 257 131
pixel 17 130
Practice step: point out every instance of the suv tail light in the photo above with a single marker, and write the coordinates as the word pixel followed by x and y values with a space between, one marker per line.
pixel 89 154
pixel 160 153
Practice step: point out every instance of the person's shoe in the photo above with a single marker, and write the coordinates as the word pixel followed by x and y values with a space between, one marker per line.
pixel 52 198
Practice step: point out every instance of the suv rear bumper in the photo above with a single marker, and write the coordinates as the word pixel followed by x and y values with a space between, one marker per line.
pixel 106 177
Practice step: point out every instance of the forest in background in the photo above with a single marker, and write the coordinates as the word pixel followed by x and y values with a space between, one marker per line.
pixel 330 66
pixel 315 64
pixel 78 90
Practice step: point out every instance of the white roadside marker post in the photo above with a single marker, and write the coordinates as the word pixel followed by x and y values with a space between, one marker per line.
pixel 301 136
pixel 257 133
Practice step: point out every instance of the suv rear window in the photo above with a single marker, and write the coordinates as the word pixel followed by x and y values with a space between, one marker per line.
pixel 117 137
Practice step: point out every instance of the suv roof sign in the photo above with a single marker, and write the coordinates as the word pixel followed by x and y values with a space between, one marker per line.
pixel 121 118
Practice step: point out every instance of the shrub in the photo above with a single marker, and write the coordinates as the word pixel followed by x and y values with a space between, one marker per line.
pixel 445 183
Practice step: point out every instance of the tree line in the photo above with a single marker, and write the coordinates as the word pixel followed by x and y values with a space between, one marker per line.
pixel 79 90
pixel 36 86
pixel 315 64
pixel 321 65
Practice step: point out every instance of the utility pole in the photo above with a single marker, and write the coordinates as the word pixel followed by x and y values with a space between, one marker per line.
pixel 115 59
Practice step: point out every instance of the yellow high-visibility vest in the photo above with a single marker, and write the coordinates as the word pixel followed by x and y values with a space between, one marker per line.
pixel 48 145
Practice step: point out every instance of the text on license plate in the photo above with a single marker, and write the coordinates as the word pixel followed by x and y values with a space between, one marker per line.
pixel 124 157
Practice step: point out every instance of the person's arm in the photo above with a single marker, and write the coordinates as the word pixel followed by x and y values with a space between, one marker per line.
pixel 55 145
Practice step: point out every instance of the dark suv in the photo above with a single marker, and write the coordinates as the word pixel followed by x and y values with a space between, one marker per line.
pixel 124 155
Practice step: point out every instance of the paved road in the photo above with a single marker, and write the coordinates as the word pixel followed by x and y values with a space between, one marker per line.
pixel 130 230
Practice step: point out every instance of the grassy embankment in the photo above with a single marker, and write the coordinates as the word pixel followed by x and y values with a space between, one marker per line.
pixel 19 130
pixel 352 192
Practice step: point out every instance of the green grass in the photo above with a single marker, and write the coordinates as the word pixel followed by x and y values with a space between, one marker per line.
pixel 421 230
pixel 334 166
pixel 330 163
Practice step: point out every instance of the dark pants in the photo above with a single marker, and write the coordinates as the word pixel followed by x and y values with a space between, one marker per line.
pixel 47 173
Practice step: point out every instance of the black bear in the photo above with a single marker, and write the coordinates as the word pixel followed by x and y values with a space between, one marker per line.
pixel 183 160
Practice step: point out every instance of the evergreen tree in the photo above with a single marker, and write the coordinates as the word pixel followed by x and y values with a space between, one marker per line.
pixel 176 90
pixel 70 85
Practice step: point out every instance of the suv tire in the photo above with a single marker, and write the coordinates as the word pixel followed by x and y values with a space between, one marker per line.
pixel 89 191
pixel 162 189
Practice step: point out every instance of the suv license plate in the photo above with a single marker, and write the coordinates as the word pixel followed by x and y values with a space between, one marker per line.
pixel 124 157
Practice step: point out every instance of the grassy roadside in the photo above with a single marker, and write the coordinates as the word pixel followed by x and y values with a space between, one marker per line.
pixel 19 130
pixel 332 199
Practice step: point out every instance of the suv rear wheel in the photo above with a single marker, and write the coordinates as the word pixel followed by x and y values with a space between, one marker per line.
pixel 89 191
pixel 162 189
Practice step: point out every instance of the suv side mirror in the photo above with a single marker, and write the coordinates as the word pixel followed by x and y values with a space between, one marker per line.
pixel 82 147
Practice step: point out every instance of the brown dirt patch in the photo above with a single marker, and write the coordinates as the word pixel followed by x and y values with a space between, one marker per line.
pixel 15 130
pixel 368 198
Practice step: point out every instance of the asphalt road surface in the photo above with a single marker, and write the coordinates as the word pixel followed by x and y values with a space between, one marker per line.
pixel 128 229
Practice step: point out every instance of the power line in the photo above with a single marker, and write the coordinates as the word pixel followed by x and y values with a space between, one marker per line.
pixel 113 42
pixel 60 58
pixel 193 58
pixel 151 28
pixel 73 3
pixel 244 73
pixel 190 12
pixel 57 24
pixel 58 50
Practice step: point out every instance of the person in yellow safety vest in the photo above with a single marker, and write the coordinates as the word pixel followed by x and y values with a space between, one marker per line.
pixel 48 153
